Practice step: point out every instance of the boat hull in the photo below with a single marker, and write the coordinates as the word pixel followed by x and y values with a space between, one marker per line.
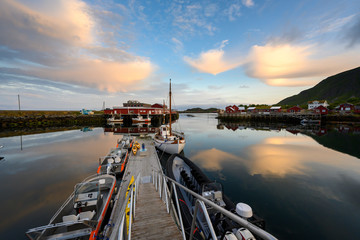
pixel 171 147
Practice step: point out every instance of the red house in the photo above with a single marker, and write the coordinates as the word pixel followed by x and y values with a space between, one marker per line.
pixel 295 109
pixel 357 109
pixel 321 110
pixel 231 109
pixel 157 105
pixel 346 107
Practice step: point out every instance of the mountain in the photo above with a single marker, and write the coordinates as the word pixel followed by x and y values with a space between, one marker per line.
pixel 199 110
pixel 340 88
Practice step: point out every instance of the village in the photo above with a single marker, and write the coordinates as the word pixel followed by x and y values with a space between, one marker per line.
pixel 313 108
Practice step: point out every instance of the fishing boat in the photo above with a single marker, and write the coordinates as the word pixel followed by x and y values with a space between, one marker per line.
pixel 82 215
pixel 114 120
pixel 115 161
pixel 141 119
pixel 166 139
pixel 185 172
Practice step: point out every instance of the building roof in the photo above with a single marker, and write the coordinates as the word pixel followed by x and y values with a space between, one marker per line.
pixel 251 108
pixel 275 107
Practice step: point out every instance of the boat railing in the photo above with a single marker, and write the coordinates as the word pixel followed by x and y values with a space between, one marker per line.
pixel 34 233
pixel 161 182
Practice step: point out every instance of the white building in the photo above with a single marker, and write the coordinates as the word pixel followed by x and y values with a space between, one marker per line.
pixel 316 103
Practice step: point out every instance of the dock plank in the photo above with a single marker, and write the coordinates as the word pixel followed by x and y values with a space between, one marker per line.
pixel 151 220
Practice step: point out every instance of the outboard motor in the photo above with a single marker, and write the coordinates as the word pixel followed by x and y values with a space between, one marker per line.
pixel 244 210
pixel 244 234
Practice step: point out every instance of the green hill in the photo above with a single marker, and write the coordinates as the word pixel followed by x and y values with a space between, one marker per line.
pixel 340 88
pixel 199 110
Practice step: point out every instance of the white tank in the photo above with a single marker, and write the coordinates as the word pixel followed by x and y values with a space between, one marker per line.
pixel 244 234
pixel 230 236
pixel 244 210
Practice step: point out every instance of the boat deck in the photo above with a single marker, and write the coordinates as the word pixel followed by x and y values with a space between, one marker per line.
pixel 151 219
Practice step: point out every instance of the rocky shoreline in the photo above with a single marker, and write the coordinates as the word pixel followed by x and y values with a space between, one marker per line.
pixel 14 122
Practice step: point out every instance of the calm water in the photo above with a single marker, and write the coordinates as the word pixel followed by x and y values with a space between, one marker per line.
pixel 305 185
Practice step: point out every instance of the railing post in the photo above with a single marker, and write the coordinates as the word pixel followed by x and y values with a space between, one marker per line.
pixel 131 209
pixel 208 220
pixel 166 196
pixel 194 220
pixel 121 228
pixel 160 187
pixel 179 212
pixel 156 183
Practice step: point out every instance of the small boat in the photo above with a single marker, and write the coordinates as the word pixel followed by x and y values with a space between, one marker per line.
pixel 185 172
pixel 135 147
pixel 115 120
pixel 115 161
pixel 310 122
pixel 82 214
pixel 141 119
pixel 167 140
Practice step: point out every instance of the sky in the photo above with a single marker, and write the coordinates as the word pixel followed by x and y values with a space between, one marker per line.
pixel 74 54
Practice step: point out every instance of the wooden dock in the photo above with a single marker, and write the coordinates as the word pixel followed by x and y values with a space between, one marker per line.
pixel 151 219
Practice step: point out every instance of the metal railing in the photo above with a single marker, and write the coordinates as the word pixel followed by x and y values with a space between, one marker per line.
pixel 160 181
pixel 125 229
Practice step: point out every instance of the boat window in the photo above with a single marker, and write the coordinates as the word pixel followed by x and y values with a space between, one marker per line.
pixel 86 191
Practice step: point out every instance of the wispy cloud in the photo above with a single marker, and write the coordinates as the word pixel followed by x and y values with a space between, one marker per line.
pixel 296 65
pixel 248 3
pixel 352 33
pixel 178 44
pixel 233 11
pixel 58 42
pixel 213 61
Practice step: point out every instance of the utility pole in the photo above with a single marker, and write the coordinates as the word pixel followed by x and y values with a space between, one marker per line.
pixel 19 101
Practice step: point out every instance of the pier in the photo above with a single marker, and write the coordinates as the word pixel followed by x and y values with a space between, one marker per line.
pixel 151 219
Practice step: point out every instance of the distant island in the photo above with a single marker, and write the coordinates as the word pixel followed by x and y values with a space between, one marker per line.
pixel 200 110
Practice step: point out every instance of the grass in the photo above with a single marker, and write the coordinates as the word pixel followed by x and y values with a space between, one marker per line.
pixel 35 113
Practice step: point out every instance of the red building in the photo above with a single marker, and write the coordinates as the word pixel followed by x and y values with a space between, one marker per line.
pixel 346 107
pixel 321 110
pixel 135 111
pixel 295 109
pixel 232 109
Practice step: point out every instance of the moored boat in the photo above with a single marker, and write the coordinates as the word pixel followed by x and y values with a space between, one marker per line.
pixel 168 140
pixel 115 120
pixel 185 172
pixel 115 161
pixel 82 215
pixel 141 119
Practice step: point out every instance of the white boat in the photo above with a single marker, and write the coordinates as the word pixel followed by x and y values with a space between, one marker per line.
pixel 82 214
pixel 141 119
pixel 115 120
pixel 167 140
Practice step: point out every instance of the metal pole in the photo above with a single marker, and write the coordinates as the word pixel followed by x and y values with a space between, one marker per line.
pixel 166 197
pixel 179 213
pixel 194 220
pixel 131 209
pixel 121 228
pixel 19 101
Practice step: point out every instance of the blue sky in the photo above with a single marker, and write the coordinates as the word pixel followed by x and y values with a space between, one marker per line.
pixel 73 54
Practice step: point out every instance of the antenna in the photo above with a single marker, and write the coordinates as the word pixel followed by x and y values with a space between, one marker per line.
pixel 19 101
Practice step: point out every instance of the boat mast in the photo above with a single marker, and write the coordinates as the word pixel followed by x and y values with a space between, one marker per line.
pixel 170 106
pixel 164 112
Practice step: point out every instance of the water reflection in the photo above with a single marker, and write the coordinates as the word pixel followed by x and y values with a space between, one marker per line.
pixel 303 180
pixel 36 181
